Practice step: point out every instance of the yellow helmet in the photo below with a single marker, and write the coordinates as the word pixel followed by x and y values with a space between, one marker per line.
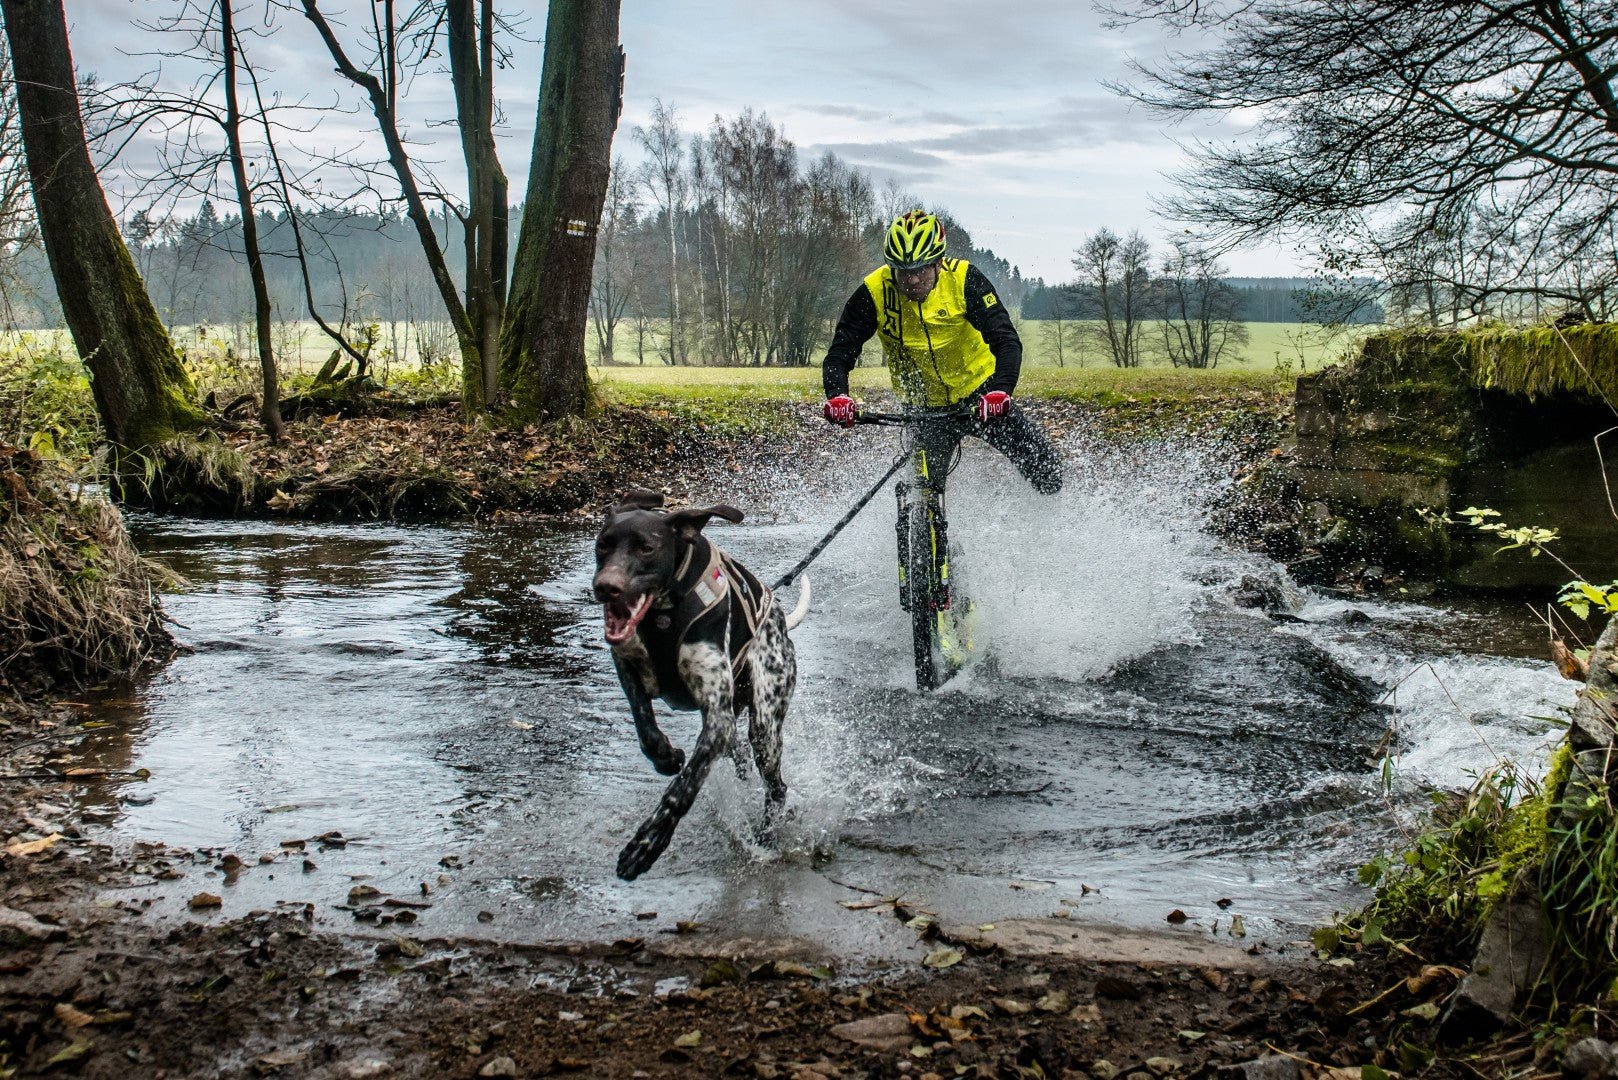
pixel 914 240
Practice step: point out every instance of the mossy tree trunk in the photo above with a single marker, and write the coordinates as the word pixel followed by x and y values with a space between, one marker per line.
pixel 580 96
pixel 142 391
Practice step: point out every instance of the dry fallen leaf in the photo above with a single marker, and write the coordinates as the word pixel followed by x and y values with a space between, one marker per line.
pixel 942 958
pixel 280 1059
pixel 205 900
pixel 32 847
pixel 689 1040
pixel 71 1017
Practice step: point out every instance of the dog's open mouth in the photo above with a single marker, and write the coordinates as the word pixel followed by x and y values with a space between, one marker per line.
pixel 623 618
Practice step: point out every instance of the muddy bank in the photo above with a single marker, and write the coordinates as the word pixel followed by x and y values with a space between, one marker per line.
pixel 89 987
pixel 432 465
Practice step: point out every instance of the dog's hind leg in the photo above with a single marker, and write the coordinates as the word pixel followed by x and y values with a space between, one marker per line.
pixel 706 670
pixel 666 758
pixel 774 676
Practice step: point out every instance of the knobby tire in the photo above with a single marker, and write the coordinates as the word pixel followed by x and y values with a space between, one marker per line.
pixel 922 574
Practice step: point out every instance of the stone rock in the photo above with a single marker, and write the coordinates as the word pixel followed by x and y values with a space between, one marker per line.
pixel 1510 957
pixel 500 1066
pixel 1268 1067
pixel 1590 1059
pixel 888 1032
pixel 1264 593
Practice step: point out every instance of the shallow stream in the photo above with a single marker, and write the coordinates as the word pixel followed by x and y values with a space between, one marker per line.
pixel 1129 742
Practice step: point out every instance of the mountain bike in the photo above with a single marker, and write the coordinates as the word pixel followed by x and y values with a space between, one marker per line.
pixel 940 616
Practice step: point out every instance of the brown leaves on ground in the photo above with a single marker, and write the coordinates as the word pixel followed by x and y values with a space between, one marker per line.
pixel 433 464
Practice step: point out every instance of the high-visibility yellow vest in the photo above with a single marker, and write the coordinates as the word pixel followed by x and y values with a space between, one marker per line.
pixel 935 357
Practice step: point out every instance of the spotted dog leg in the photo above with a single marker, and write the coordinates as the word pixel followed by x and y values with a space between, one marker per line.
pixel 666 758
pixel 706 670
pixel 775 675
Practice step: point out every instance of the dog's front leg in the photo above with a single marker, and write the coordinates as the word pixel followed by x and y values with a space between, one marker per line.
pixel 665 757
pixel 706 670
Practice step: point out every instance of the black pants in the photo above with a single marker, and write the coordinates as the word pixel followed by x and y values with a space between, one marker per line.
pixel 1013 434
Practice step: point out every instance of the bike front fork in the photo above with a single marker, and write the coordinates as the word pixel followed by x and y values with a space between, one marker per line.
pixel 933 589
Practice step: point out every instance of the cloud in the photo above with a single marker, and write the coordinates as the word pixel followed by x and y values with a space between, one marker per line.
pixel 997 113
pixel 895 156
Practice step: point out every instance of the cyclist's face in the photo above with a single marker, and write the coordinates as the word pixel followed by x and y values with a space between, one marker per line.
pixel 916 284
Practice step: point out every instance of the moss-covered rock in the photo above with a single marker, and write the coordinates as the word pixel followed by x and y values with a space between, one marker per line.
pixel 1427 421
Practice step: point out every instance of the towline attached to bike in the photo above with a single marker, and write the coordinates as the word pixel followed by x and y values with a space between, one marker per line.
pixel 939 617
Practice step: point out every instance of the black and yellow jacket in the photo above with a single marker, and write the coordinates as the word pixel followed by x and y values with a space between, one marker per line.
pixel 940 350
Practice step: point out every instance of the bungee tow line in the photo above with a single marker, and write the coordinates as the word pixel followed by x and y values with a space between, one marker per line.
pixel 814 552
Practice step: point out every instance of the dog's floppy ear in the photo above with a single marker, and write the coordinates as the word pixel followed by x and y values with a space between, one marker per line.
pixel 691 519
pixel 636 499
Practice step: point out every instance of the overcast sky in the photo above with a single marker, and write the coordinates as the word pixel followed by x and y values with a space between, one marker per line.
pixel 995 111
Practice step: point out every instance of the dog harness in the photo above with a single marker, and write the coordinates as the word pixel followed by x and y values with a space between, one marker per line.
pixel 710 590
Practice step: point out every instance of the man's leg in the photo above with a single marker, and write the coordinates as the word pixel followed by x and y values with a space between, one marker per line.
pixel 1021 440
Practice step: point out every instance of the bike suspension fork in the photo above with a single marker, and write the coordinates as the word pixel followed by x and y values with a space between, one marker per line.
pixel 902 491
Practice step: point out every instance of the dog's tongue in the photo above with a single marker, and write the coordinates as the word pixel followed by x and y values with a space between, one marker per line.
pixel 621 620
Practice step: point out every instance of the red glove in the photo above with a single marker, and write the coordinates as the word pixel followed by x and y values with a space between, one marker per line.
pixel 839 410
pixel 992 406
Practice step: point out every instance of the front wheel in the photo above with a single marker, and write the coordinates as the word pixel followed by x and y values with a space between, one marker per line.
pixel 922 578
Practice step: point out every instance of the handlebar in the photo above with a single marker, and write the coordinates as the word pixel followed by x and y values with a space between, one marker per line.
pixel 959 411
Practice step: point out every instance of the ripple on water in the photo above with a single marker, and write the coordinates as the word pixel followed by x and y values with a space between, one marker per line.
pixel 442 697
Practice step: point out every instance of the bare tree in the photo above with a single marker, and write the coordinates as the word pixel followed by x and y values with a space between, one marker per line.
pixel 143 393
pixel 1116 271
pixel 270 406
pixel 1062 326
pixel 665 181
pixel 1378 120
pixel 614 280
pixel 381 93
pixel 1199 315
pixel 472 62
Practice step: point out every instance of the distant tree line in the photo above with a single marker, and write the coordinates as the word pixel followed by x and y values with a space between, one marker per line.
pixel 724 247
pixel 752 265
pixel 1261 299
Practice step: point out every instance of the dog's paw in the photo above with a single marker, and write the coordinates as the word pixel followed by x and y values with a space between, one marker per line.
pixel 640 853
pixel 672 763
pixel 768 831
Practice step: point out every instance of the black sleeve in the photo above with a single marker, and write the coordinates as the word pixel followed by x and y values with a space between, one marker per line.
pixel 854 328
pixel 986 311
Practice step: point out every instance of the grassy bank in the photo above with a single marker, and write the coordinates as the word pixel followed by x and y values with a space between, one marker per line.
pixel 1101 386
pixel 426 462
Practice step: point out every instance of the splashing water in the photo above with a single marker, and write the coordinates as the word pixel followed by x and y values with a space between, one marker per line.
pixel 445 692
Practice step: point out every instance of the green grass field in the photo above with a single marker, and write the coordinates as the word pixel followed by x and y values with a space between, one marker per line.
pixel 302 348
pixel 660 385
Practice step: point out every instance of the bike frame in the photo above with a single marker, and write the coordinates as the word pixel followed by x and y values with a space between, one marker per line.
pixel 940 640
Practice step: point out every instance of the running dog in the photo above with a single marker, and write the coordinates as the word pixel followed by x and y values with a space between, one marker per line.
pixel 690 625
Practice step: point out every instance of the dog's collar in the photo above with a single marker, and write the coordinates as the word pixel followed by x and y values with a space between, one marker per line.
pixel 693 566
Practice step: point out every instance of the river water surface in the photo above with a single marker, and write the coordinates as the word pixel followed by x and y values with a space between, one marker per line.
pixel 1129 742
